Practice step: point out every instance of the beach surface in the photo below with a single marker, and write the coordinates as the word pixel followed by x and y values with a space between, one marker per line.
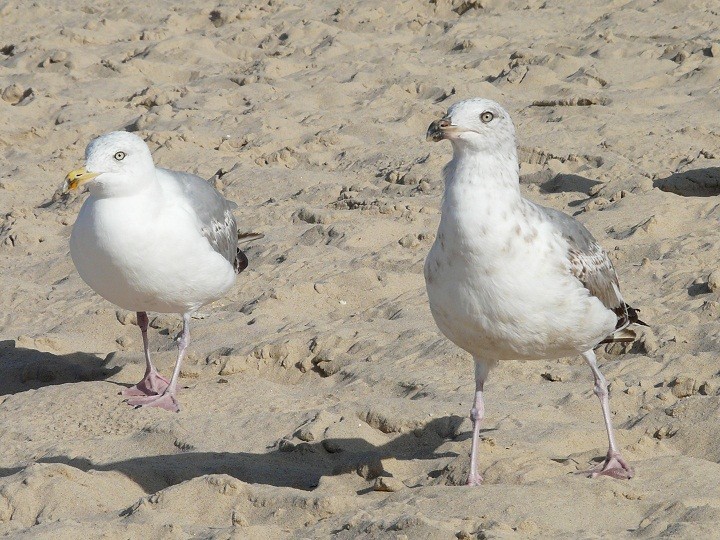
pixel 318 397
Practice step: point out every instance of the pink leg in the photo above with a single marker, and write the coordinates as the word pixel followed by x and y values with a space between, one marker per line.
pixel 614 464
pixel 476 415
pixel 152 383
pixel 167 399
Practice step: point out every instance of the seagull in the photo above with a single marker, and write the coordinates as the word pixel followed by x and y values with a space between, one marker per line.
pixel 151 239
pixel 508 279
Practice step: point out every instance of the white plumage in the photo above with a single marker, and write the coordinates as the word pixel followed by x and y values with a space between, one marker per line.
pixel 150 239
pixel 145 252
pixel 509 279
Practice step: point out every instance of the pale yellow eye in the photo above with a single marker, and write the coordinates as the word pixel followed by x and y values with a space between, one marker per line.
pixel 119 156
pixel 487 116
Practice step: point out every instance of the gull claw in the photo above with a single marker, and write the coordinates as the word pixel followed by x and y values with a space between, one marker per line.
pixel 614 466
pixel 153 384
pixel 165 401
pixel 474 480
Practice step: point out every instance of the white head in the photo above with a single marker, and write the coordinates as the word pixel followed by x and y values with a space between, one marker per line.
pixel 476 126
pixel 117 163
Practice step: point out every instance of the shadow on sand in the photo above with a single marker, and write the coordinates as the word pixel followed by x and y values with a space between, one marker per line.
pixel 24 369
pixel 569 183
pixel 292 465
pixel 695 183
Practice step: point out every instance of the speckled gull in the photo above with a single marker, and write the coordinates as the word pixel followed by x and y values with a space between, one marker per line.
pixel 508 279
pixel 151 239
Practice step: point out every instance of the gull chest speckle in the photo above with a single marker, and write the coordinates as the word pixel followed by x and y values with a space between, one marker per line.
pixel 482 276
pixel 509 279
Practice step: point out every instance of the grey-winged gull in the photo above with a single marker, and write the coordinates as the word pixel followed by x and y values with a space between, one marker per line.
pixel 151 239
pixel 508 279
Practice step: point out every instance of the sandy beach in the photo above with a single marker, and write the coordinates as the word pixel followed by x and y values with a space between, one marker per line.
pixel 318 398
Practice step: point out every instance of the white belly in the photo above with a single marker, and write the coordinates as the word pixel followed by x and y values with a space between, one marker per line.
pixel 513 305
pixel 161 264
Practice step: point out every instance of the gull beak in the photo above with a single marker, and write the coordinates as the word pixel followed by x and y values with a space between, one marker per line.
pixel 76 178
pixel 436 131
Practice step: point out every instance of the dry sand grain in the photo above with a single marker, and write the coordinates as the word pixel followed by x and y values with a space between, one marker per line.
pixel 322 371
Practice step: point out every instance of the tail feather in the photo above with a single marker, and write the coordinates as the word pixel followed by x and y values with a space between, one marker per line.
pixel 620 336
pixel 627 315
pixel 245 237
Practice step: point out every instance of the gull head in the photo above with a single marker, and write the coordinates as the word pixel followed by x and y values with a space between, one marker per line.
pixel 475 125
pixel 117 163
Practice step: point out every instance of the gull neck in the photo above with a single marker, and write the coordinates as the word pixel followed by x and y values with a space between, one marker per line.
pixel 474 176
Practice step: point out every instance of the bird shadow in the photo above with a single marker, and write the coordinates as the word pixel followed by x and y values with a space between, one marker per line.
pixel 298 466
pixel 569 183
pixel 23 369
pixel 695 183
pixel 551 182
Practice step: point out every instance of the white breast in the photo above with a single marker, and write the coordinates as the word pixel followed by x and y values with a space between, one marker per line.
pixel 143 255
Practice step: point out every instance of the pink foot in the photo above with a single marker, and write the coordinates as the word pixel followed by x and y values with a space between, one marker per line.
pixel 614 466
pixel 474 480
pixel 166 401
pixel 153 384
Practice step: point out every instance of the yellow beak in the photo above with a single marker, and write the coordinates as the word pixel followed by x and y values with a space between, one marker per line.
pixel 76 178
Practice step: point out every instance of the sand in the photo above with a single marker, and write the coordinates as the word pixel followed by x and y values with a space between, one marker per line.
pixel 319 399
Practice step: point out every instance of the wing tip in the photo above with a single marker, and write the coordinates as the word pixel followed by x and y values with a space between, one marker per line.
pixel 241 261
pixel 633 316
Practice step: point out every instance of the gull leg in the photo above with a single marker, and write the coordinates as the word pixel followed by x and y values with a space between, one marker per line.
pixel 614 464
pixel 167 399
pixel 477 413
pixel 152 383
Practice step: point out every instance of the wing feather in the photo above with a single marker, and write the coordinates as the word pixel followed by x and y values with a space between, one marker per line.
pixel 590 264
pixel 217 222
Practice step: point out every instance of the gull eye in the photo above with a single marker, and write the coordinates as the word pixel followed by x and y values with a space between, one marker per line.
pixel 486 117
pixel 119 156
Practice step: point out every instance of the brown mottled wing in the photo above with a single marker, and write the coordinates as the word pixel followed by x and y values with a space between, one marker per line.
pixel 590 264
pixel 596 273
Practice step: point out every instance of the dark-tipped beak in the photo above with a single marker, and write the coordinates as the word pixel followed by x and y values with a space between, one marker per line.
pixel 436 131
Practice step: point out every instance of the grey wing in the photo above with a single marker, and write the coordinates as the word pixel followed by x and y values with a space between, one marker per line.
pixel 215 214
pixel 591 265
